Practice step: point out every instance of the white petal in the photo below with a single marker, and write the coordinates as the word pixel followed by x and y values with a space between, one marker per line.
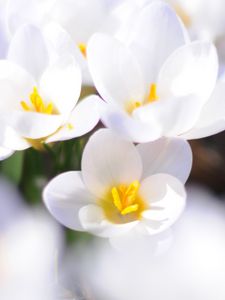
pixel 5 153
pixel 93 220
pixel 15 85
pixel 81 18
pixel 166 196
pixel 107 161
pixel 173 116
pixel 64 196
pixel 20 12
pixel 61 84
pixel 157 34
pixel 83 119
pixel 11 140
pixel 4 40
pixel 212 117
pixel 34 125
pixel 172 156
pixel 28 49
pixel 114 70
pixel 129 127
pixel 191 69
pixel 138 239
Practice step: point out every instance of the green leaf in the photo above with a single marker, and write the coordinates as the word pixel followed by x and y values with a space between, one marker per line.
pixel 12 167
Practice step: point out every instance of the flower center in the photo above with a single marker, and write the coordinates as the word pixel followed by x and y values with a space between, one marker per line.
pixel 124 198
pixel 151 97
pixel 123 203
pixel 83 49
pixel 37 104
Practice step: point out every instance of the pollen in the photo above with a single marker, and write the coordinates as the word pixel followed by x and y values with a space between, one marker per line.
pixel 70 126
pixel 37 104
pixel 83 49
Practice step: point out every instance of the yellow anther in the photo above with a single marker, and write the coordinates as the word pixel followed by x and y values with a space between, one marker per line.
pixel 132 105
pixel 129 209
pixel 24 106
pixel 83 49
pixel 153 93
pixel 124 198
pixel 151 97
pixel 49 108
pixel 116 199
pixel 37 104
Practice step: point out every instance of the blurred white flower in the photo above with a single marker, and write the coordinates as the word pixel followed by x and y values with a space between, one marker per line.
pixel 40 98
pixel 29 245
pixel 204 18
pixel 158 86
pixel 193 268
pixel 122 188
pixel 68 24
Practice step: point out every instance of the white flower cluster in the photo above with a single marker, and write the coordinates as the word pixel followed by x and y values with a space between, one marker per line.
pixel 157 87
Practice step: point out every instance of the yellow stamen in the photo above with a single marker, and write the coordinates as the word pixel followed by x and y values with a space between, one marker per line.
pixel 24 106
pixel 132 105
pixel 129 209
pixel 49 108
pixel 153 93
pixel 124 198
pixel 37 104
pixel 116 199
pixel 151 97
pixel 83 49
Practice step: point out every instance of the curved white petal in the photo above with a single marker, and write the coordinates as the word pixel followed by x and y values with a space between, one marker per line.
pixel 83 119
pixel 64 196
pixel 191 69
pixel 173 116
pixel 15 85
pixel 107 161
pixel 212 117
pixel 11 140
pixel 129 127
pixel 28 49
pixel 5 153
pixel 82 18
pixel 93 220
pixel 171 156
pixel 166 196
pixel 158 32
pixel 61 84
pixel 34 125
pixel 115 71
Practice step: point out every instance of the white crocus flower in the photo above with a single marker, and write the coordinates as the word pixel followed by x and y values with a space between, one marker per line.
pixel 38 99
pixel 65 22
pixel 158 86
pixel 122 188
